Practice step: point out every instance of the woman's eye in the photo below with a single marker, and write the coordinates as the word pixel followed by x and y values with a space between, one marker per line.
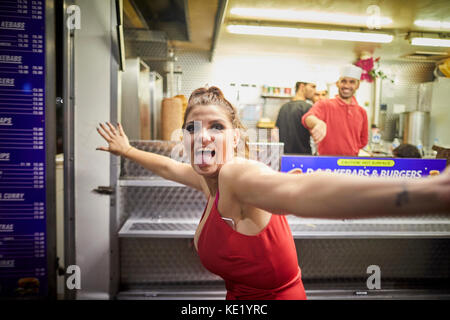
pixel 217 126
pixel 190 128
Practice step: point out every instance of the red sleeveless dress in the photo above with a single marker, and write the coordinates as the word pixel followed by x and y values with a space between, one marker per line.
pixel 259 267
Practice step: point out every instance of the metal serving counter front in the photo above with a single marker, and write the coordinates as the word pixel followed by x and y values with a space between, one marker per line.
pixel 302 228
pixel 157 220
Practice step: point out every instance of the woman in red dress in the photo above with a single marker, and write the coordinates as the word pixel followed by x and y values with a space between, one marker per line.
pixel 243 235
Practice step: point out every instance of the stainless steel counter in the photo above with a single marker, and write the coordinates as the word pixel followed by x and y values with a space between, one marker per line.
pixel 157 220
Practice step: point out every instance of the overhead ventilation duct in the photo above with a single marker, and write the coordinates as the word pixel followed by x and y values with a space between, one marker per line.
pixel 168 16
pixel 147 44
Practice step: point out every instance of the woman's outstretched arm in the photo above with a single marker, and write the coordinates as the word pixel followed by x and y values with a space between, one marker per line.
pixel 321 195
pixel 163 166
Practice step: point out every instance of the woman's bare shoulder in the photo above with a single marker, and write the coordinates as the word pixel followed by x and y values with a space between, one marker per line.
pixel 239 168
pixel 238 165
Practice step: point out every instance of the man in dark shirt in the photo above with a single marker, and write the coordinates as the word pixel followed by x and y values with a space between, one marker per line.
pixel 295 136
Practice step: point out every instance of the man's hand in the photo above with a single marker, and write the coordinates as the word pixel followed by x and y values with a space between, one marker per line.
pixel 319 131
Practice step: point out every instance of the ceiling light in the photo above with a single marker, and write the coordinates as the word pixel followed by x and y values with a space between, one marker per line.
pixel 310 33
pixel 430 42
pixel 307 16
pixel 432 24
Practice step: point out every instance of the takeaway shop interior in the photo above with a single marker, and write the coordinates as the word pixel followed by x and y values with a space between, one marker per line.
pixel 76 223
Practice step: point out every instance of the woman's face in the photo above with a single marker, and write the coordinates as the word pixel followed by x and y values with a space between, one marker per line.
pixel 210 138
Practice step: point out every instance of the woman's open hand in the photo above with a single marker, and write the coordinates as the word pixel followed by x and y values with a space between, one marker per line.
pixel 118 143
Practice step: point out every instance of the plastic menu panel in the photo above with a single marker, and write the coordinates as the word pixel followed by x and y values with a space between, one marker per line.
pixel 23 257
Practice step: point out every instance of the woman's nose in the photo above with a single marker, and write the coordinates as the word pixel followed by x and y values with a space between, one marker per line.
pixel 205 135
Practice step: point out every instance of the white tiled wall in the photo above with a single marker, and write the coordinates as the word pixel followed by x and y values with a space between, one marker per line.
pixel 258 70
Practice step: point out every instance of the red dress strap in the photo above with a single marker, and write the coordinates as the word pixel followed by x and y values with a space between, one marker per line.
pixel 216 201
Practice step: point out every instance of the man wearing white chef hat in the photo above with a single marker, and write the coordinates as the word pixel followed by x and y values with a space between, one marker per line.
pixel 339 125
pixel 292 133
pixel 321 92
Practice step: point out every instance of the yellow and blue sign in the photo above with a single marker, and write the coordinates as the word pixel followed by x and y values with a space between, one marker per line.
pixel 369 167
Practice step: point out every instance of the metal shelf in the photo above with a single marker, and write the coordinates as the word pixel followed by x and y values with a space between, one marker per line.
pixel 378 228
pixel 170 228
pixel 158 182
pixel 212 293
pixel 158 228
pixel 277 97
pixel 190 292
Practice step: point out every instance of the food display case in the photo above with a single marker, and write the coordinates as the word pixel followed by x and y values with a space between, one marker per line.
pixel 157 220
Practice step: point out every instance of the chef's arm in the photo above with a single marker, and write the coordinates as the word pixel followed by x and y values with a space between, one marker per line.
pixel 317 128
pixel 311 121
pixel 364 132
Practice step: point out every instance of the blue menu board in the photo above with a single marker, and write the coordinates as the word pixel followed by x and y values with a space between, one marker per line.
pixel 23 257
pixel 373 167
